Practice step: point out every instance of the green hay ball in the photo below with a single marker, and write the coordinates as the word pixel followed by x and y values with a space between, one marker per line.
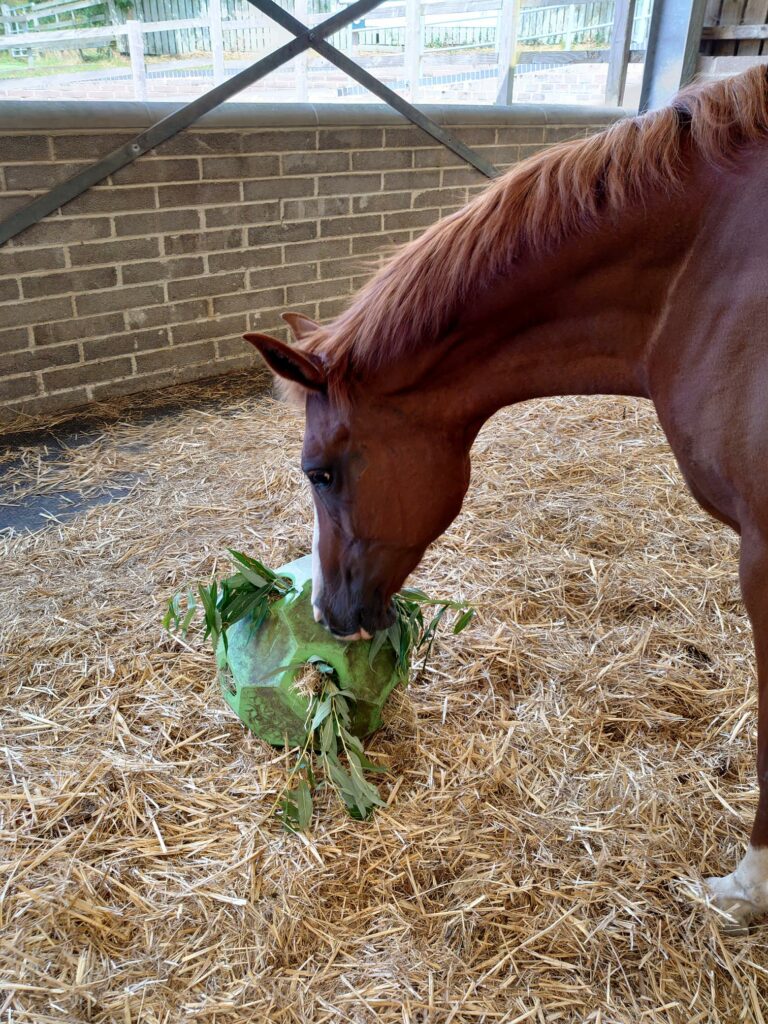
pixel 260 667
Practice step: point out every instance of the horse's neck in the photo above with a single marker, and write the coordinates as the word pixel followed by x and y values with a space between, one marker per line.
pixel 579 320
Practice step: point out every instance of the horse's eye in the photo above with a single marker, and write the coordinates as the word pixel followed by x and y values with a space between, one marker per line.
pixel 320 478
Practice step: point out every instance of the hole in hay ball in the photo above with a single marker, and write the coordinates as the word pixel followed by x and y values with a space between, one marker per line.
pixel 309 681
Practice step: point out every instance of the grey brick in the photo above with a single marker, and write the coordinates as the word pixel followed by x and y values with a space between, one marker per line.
pixel 42 176
pixel 406 138
pixel 350 184
pixel 122 344
pixel 87 373
pixel 19 313
pixel 350 225
pixel 58 231
pixel 269 319
pixel 123 250
pixel 282 141
pixel 242 214
pixel 381 159
pixel 21 261
pixel 314 163
pixel 38 359
pixel 163 270
pixel 394 180
pixel 167 313
pixel 221 262
pixel 14 339
pixel 466 175
pixel 509 135
pixel 563 133
pixel 87 147
pixel 341 268
pixel 204 241
pixel 329 249
pixel 245 302
pixel 121 298
pixel 25 147
pixel 108 199
pixel 266 277
pixel 291 231
pixel 204 194
pixel 350 138
pixel 501 155
pixel 206 284
pixel 436 156
pixel 240 167
pixel 158 222
pixel 475 135
pixel 69 281
pixel 202 143
pixel 176 356
pixel 410 219
pixel 325 206
pixel 381 201
pixel 319 290
pixel 75 329
pixel 17 387
pixel 277 188
pixel 212 327
pixel 47 404
pixel 145 171
pixel 433 197
pixel 9 290
pixel 379 244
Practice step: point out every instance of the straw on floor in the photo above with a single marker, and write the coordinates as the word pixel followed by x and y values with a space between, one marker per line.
pixel 561 777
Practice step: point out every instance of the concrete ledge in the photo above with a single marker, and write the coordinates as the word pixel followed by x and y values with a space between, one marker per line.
pixel 33 116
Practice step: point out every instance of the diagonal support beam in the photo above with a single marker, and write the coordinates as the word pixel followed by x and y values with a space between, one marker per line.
pixel 67 190
pixel 364 78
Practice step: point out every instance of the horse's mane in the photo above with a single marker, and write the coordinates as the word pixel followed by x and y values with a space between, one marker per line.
pixel 549 197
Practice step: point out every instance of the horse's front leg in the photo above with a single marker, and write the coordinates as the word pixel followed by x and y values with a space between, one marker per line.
pixel 744 893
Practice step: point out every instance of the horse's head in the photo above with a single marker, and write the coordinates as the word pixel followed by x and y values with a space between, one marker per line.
pixel 388 475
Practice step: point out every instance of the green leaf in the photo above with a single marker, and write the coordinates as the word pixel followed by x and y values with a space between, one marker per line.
pixel 464 620
pixel 303 804
pixel 321 713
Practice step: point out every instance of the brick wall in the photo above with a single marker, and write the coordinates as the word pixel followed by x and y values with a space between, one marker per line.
pixel 151 277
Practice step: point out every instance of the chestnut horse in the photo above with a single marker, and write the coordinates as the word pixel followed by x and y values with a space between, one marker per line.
pixel 633 262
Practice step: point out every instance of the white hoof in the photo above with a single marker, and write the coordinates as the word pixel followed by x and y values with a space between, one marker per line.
pixel 743 895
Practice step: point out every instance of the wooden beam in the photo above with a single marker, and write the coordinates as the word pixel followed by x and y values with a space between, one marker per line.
pixel 735 32
pixel 509 18
pixel 618 58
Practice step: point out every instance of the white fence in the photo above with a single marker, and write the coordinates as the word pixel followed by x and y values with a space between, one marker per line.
pixel 416 28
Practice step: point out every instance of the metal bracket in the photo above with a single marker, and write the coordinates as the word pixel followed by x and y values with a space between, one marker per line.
pixel 306 39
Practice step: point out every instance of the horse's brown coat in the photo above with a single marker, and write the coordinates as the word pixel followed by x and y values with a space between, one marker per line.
pixel 634 262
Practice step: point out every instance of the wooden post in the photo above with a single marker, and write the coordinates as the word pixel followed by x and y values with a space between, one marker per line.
pixel 413 46
pixel 571 24
pixel 301 63
pixel 217 40
pixel 136 51
pixel 618 55
pixel 509 19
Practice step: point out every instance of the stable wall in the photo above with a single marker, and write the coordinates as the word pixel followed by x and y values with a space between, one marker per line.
pixel 152 277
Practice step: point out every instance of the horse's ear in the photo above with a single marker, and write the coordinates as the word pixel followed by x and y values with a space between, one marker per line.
pixel 302 368
pixel 301 326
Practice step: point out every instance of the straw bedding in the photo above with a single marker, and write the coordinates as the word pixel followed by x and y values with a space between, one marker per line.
pixel 561 776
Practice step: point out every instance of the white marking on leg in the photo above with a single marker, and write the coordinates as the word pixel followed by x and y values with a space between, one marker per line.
pixel 317 571
pixel 744 893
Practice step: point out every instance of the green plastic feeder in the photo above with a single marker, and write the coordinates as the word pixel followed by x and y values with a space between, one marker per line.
pixel 260 666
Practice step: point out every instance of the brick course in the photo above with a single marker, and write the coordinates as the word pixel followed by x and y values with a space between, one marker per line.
pixel 151 277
